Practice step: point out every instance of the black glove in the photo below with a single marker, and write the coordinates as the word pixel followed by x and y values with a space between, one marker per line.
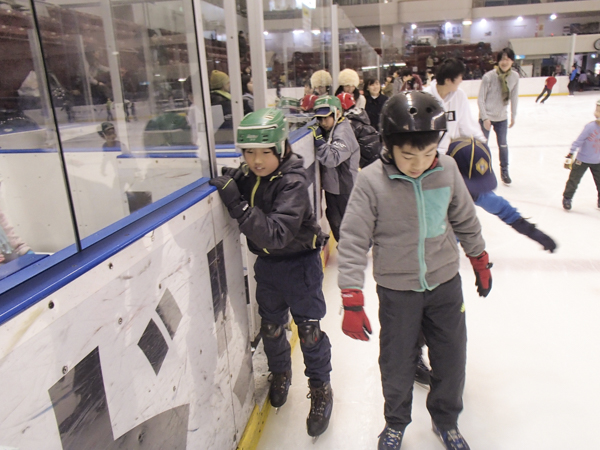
pixel 318 134
pixel 228 190
pixel 233 172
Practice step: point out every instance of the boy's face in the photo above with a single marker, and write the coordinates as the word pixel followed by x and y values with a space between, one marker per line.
pixel 261 161
pixel 412 161
pixel 505 63
pixel 453 84
pixel 110 135
pixel 597 112
pixel 326 122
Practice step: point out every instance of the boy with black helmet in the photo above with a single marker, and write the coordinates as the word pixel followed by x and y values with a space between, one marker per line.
pixel 338 153
pixel 410 205
pixel 268 195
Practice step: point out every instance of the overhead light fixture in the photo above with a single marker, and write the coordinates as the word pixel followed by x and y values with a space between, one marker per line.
pixel 414 26
pixel 382 32
pixel 520 19
pixel 448 24
pixel 316 32
pixel 483 22
pixel 298 31
pixel 266 33
pixel 553 17
pixel 402 64
pixel 181 80
pixel 467 22
pixel 356 30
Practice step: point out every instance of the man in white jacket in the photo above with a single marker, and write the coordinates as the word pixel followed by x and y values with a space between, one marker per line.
pixel 459 120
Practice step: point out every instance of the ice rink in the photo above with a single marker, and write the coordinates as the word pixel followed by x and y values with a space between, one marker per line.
pixel 534 342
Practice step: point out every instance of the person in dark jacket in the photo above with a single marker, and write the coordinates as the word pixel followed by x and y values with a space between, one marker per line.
pixel 269 197
pixel 375 101
pixel 367 137
pixel 338 154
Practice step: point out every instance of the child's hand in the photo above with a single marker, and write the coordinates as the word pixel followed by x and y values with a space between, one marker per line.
pixel 355 322
pixel 483 276
pixel 233 172
pixel 230 195
pixel 317 133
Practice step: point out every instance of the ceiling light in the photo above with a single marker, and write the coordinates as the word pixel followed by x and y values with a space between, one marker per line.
pixel 298 31
pixel 520 19
pixel 553 17
pixel 266 33
pixel 448 24
pixel 467 22
pixel 414 26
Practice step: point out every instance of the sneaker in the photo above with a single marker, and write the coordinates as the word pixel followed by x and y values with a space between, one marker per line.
pixel 567 203
pixel 452 439
pixel 423 373
pixel 321 405
pixel 504 176
pixel 390 439
pixel 280 385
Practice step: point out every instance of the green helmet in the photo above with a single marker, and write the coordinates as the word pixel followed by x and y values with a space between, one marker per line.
pixel 288 102
pixel 326 105
pixel 264 128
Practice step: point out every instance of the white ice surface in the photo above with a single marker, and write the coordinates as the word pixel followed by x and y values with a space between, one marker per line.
pixel 534 342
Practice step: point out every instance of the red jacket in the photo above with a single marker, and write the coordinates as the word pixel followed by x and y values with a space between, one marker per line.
pixel 550 82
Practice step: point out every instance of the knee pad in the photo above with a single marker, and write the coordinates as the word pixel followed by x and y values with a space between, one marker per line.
pixel 310 333
pixel 270 330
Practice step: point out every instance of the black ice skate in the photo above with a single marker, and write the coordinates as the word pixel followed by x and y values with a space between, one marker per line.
pixel 529 230
pixel 567 203
pixel 452 439
pixel 280 385
pixel 390 439
pixel 422 374
pixel 504 175
pixel 321 404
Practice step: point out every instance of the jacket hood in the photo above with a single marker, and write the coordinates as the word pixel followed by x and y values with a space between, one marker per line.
pixel 358 114
pixel 294 164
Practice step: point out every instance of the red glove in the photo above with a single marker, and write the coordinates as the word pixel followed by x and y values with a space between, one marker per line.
pixel 483 277
pixel 355 322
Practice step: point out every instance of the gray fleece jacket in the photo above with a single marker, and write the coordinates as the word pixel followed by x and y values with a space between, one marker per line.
pixel 412 223
pixel 491 104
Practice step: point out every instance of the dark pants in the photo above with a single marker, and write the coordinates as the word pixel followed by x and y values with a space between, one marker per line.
pixel 501 130
pixel 336 207
pixel 545 91
pixel 439 314
pixel 572 87
pixel 577 171
pixel 293 285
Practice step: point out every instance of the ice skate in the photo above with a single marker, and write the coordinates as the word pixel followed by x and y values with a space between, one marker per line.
pixel 321 405
pixel 504 176
pixel 422 374
pixel 528 229
pixel 280 385
pixel 567 203
pixel 452 439
pixel 390 439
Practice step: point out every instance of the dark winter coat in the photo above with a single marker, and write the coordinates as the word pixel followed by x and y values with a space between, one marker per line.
pixel 368 138
pixel 217 99
pixel 280 219
pixel 373 108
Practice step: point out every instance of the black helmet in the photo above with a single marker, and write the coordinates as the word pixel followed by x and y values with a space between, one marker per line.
pixel 411 112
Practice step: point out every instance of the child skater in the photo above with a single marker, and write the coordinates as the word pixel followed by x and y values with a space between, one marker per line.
pixel 587 147
pixel 410 205
pixel 268 196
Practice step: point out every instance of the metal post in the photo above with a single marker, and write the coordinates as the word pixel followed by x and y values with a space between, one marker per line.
pixel 572 52
pixel 258 59
pixel 233 62
pixel 335 47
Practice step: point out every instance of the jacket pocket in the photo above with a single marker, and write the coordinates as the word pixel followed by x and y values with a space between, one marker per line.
pixel 436 211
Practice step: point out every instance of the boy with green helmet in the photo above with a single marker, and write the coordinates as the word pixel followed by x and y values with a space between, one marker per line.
pixel 268 196
pixel 338 153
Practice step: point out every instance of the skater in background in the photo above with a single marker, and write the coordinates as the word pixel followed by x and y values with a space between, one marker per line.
pixel 375 101
pixel 408 207
pixel 499 87
pixel 587 147
pixel 407 81
pixel 109 114
pixel 445 88
pixel 338 154
pixel 367 137
pixel 268 196
pixel 11 245
pixel 573 79
pixel 247 94
pixel 388 88
pixel 111 143
pixel 308 100
pixel 348 82
pixel 550 82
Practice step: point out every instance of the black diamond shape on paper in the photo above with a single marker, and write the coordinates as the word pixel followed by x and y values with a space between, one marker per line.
pixel 169 312
pixel 154 346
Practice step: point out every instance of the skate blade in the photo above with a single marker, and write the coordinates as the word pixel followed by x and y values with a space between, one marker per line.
pixel 314 439
pixel 276 411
